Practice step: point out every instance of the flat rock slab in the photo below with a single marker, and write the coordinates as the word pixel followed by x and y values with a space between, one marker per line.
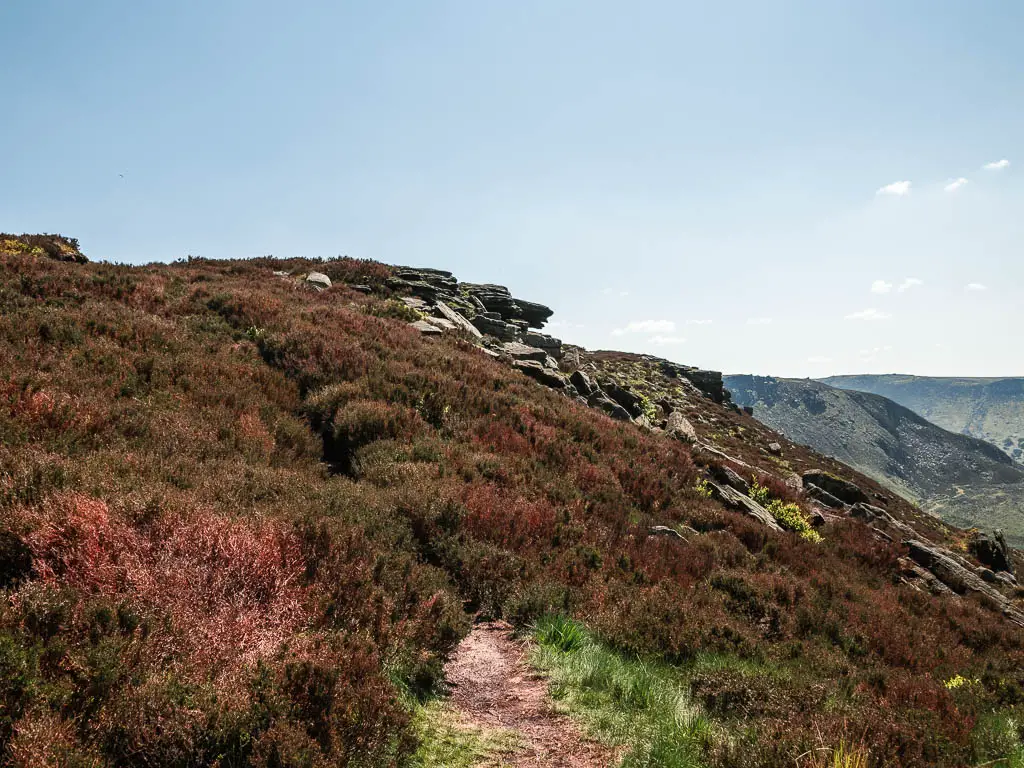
pixel 426 328
pixel 518 351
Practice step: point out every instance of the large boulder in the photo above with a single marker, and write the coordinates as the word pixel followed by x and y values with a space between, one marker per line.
pixel 960 579
pixel 518 351
pixel 991 550
pixel 679 427
pixel 499 329
pixel 318 280
pixel 844 490
pixel 823 496
pixel 601 401
pixel 533 313
pixel 583 383
pixel 628 399
pixel 539 373
pixel 549 344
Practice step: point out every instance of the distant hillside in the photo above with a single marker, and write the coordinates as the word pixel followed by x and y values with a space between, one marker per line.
pixel 965 480
pixel 991 409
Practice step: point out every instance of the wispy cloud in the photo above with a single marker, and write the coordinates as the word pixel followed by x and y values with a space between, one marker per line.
pixel 819 360
pixel 880 286
pixel 910 282
pixel 955 184
pixel 998 165
pixel 976 287
pixel 665 341
pixel 759 321
pixel 897 188
pixel 646 326
pixel 699 322
pixel 869 314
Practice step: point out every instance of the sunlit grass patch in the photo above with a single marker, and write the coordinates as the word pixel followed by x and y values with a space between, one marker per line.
pixel 637 704
pixel 445 742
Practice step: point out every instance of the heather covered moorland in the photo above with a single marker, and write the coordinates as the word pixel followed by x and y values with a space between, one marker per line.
pixel 244 522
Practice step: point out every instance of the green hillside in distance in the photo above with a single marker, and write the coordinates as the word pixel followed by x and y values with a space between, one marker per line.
pixel 988 408
pixel 964 480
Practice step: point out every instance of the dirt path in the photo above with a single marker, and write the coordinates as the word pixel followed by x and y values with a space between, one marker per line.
pixel 494 687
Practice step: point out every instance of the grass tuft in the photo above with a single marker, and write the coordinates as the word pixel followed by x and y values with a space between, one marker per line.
pixel 638 704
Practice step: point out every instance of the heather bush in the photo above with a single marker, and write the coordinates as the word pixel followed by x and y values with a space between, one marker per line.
pixel 239 517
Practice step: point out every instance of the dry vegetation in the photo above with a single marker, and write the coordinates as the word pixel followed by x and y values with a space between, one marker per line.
pixel 240 518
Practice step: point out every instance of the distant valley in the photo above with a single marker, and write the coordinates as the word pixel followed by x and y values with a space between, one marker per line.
pixel 964 480
pixel 991 409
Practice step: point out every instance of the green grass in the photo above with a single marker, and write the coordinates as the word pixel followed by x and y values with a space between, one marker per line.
pixel 447 743
pixel 621 701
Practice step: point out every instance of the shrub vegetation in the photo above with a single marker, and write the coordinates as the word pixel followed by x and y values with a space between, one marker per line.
pixel 238 518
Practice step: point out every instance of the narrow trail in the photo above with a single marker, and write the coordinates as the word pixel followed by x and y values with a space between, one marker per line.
pixel 494 687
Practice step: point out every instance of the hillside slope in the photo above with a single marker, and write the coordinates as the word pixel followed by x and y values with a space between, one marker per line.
pixel 965 480
pixel 990 409
pixel 249 508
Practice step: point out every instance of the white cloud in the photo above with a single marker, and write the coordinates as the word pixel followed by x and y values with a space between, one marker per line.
pixel 759 321
pixel 910 282
pixel 646 326
pixel 880 286
pixel 699 322
pixel 818 360
pixel 869 314
pixel 897 188
pixel 976 287
pixel 955 184
pixel 664 341
pixel 998 165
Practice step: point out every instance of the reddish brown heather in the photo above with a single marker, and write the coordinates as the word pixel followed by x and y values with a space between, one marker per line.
pixel 256 511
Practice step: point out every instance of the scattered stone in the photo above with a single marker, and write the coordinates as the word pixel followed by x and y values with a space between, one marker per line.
pixel 679 427
pixel 539 373
pixel 426 328
pixel 583 383
pixel 279 273
pixel 361 288
pixel 841 489
pixel 318 280
pixel 775 449
pixel 817 519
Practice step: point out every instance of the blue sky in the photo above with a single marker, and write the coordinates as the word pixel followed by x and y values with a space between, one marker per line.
pixel 695 180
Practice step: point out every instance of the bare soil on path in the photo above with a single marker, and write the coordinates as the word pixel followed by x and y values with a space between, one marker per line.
pixel 494 687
